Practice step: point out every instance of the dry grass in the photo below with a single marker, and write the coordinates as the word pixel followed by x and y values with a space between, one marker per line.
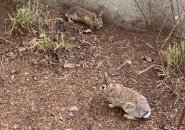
pixel 47 45
pixel 45 25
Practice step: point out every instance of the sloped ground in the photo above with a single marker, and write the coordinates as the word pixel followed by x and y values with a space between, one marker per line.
pixel 37 93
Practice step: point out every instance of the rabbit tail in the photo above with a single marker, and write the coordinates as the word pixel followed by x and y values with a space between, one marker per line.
pixel 146 114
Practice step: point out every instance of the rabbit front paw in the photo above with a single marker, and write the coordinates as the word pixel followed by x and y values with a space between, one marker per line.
pixel 112 105
pixel 129 117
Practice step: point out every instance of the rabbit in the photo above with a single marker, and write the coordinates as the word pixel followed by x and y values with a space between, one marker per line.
pixel 134 104
pixel 82 15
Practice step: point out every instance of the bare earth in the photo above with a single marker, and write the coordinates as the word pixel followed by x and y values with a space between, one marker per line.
pixel 37 93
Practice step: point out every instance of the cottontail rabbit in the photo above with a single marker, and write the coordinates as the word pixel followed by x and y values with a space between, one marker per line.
pixel 82 15
pixel 134 104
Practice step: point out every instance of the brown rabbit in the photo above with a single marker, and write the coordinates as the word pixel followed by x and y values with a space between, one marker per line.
pixel 82 15
pixel 134 104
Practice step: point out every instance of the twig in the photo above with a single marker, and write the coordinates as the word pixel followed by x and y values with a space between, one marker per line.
pixel 140 72
pixel 2 38
pixel 150 11
pixel 99 64
pixel 180 33
pixel 182 5
pixel 142 12
pixel 161 30
pixel 172 31
pixel 161 82
pixel 126 62
pixel 172 8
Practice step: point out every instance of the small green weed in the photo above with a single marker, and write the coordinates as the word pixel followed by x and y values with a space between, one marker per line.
pixel 177 53
pixel 45 44
pixel 21 19
pixel 174 56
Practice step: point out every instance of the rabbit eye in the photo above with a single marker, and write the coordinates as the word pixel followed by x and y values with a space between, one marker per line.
pixel 103 87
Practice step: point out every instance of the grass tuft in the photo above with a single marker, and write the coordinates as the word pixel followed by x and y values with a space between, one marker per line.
pixel 46 45
pixel 177 54
pixel 21 19
pixel 174 56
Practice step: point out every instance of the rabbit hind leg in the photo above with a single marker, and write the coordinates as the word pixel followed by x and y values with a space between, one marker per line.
pixel 130 109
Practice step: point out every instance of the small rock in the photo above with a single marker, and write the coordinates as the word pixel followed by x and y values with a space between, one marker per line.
pixel 26 73
pixel 61 118
pixel 167 127
pixel 15 126
pixel 74 108
pixel 12 77
pixel 46 77
pixel 34 78
pixel 94 87
pixel 147 59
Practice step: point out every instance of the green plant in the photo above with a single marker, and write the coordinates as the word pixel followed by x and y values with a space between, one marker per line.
pixel 45 44
pixel 177 53
pixel 21 18
pixel 63 46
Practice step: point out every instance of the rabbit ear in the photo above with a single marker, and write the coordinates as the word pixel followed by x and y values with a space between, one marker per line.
pixel 100 9
pixel 107 80
pixel 101 13
pixel 93 17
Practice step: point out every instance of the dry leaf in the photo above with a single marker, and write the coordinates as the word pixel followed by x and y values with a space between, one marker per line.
pixel 69 65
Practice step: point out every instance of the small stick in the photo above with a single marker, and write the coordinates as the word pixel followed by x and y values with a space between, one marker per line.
pixel 126 62
pixel 5 40
pixel 140 72
pixel 99 64
pixel 181 118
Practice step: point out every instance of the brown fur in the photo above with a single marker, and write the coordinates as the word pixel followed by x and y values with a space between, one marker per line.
pixel 82 15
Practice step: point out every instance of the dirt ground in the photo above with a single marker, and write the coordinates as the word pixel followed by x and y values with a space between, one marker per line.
pixel 37 93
